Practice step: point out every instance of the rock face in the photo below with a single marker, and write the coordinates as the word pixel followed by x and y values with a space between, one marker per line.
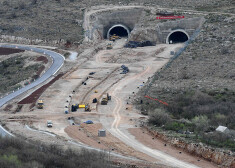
pixel 140 21
pixel 223 159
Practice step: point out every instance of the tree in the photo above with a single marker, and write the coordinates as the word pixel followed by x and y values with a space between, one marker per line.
pixel 159 117
pixel 201 123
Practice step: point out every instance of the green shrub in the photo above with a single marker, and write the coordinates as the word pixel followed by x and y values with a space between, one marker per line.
pixel 159 117
pixel 174 126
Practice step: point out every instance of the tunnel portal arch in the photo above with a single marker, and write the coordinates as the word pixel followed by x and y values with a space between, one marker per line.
pixel 118 29
pixel 177 36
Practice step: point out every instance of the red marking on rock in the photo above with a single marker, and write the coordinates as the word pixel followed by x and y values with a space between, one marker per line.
pixel 157 100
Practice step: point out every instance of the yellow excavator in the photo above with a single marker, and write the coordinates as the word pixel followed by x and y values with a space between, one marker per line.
pixel 114 37
pixel 40 104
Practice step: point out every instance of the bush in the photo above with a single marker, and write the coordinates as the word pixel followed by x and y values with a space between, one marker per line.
pixel 159 117
pixel 16 153
pixel 219 139
pixel 174 126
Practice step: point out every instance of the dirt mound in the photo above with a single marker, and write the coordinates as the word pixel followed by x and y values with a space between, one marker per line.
pixel 8 51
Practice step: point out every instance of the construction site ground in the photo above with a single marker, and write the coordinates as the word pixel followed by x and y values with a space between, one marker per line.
pixel 119 118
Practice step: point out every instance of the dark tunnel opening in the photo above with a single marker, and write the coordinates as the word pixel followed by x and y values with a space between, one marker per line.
pixel 178 37
pixel 120 31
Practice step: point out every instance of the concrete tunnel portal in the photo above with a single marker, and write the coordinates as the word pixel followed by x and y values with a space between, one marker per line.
pixel 120 30
pixel 177 36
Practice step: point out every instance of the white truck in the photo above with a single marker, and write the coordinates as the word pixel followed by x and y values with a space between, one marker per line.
pixel 49 123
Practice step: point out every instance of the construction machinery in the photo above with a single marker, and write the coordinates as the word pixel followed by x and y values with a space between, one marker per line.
pixel 74 107
pixel 125 69
pixel 109 46
pixel 94 100
pixel 108 97
pixel 40 104
pixel 114 37
pixel 81 106
pixel 49 123
pixel 105 100
pixel 87 107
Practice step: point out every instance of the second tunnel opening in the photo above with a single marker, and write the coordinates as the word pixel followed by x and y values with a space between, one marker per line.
pixel 178 37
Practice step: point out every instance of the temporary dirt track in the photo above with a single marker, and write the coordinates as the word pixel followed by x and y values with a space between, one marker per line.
pixel 118 118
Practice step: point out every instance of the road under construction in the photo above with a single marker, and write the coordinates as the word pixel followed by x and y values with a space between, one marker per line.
pixel 98 94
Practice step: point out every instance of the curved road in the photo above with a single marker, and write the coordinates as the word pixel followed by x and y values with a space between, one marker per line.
pixel 58 61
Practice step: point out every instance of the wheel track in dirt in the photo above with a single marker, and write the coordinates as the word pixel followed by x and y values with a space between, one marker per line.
pixel 162 157
pixel 98 84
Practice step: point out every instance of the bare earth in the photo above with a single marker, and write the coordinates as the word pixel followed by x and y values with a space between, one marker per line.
pixel 123 135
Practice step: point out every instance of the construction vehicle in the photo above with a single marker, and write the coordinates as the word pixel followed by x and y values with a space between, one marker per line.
pixel 74 107
pixel 114 37
pixel 49 123
pixel 109 46
pixel 81 106
pixel 104 101
pixel 94 100
pixel 108 97
pixel 87 107
pixel 40 104
pixel 96 91
pixel 125 69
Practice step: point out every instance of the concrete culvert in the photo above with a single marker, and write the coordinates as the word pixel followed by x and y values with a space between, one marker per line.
pixel 177 37
pixel 119 30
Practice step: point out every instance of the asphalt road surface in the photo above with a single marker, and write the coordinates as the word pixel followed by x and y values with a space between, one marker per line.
pixel 58 61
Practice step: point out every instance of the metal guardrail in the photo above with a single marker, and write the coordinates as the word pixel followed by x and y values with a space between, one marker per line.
pixel 177 54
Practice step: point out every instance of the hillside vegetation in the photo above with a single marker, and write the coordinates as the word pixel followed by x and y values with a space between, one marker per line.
pixel 15 153
pixel 14 70
pixel 198 86
pixel 63 19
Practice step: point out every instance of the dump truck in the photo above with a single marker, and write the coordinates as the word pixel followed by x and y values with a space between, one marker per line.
pixel 109 46
pixel 49 123
pixel 104 101
pixel 40 104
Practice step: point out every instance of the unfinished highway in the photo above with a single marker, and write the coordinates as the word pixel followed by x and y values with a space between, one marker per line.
pixel 58 61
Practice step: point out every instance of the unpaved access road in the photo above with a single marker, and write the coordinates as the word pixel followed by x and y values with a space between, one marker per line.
pixel 143 62
pixel 119 125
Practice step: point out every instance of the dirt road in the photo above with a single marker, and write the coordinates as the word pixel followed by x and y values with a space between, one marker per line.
pixel 118 116
pixel 118 127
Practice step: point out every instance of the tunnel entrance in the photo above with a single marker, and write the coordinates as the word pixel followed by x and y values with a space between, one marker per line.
pixel 119 30
pixel 178 36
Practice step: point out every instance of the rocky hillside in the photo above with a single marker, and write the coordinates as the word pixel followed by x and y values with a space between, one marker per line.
pixel 62 19
pixel 198 86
